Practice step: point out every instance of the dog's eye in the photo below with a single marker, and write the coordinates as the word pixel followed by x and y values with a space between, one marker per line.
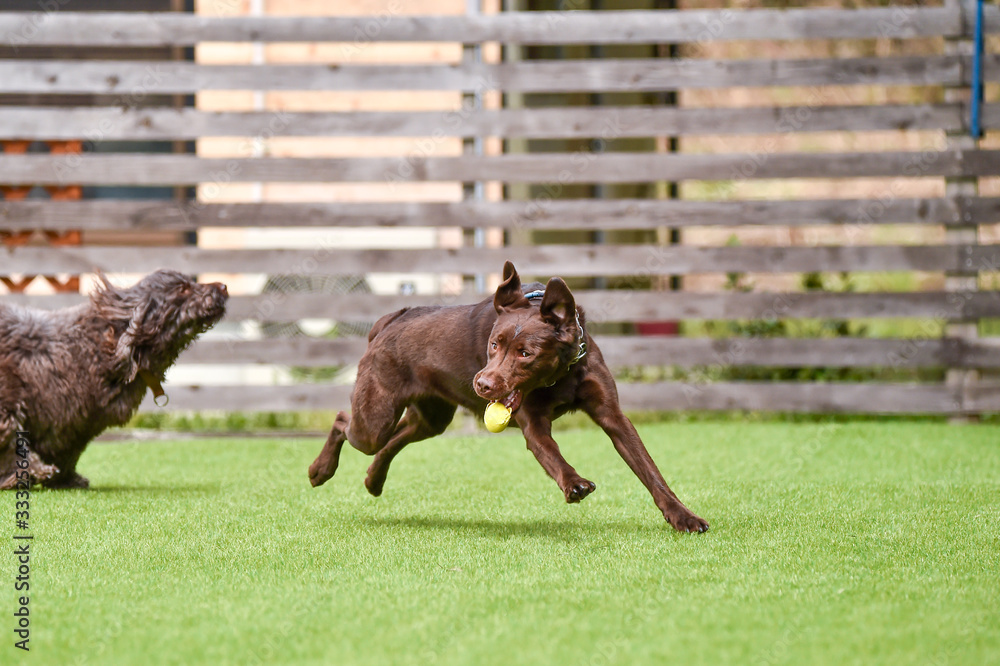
pixel 525 353
pixel 493 346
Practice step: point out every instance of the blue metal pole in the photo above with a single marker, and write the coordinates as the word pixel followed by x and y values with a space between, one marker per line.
pixel 976 103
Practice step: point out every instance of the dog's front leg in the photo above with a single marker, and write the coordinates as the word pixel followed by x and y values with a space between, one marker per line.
pixel 538 434
pixel 630 447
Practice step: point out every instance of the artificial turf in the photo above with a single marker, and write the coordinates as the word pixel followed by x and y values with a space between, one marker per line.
pixel 854 543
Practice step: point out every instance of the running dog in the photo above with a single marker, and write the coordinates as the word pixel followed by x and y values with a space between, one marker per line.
pixel 526 347
pixel 67 375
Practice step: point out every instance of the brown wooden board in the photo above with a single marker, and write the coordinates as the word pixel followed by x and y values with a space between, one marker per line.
pixel 131 79
pixel 626 27
pixel 549 259
pixel 616 305
pixel 150 215
pixel 564 168
pixel 629 351
pixel 870 398
pixel 147 124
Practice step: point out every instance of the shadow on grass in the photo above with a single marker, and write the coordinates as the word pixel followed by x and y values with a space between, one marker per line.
pixel 498 529
pixel 144 490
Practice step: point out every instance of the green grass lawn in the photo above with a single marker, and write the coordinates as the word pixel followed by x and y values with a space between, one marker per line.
pixel 855 543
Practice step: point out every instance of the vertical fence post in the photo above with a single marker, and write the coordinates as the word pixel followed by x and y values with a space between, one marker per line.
pixel 473 101
pixel 966 231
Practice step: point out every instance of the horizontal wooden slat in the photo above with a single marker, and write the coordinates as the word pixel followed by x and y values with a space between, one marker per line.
pixel 629 27
pixel 145 215
pixel 762 396
pixel 302 351
pixel 796 397
pixel 160 169
pixel 619 305
pixel 148 124
pixel 130 79
pixel 981 397
pixel 242 398
pixel 565 260
pixel 623 351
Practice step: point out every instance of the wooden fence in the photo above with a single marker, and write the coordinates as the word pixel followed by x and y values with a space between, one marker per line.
pixel 956 209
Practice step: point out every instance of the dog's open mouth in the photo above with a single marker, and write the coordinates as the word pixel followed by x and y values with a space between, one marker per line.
pixel 512 401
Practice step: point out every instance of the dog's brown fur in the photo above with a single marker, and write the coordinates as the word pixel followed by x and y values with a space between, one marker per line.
pixel 429 360
pixel 67 375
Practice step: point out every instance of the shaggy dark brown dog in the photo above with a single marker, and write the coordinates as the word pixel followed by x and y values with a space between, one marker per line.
pixel 67 375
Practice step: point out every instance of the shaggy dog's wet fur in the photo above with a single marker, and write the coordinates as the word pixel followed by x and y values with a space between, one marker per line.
pixel 67 375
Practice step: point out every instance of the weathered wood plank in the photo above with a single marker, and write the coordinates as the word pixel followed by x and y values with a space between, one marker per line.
pixel 757 396
pixel 620 351
pixel 145 215
pixel 131 79
pixel 793 397
pixel 245 398
pixel 305 352
pixel 565 260
pixel 981 397
pixel 628 27
pixel 149 124
pixel 625 351
pixel 165 169
pixel 614 305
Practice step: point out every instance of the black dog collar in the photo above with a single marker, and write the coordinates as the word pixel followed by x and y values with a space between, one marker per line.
pixel 539 293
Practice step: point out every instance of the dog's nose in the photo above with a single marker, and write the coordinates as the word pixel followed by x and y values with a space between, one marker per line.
pixel 222 288
pixel 483 386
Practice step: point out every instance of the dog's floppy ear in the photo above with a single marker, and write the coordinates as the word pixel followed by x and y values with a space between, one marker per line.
pixel 127 355
pixel 509 294
pixel 558 305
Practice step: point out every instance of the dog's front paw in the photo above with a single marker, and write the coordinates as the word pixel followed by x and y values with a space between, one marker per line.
pixel 42 473
pixel 579 489
pixel 685 521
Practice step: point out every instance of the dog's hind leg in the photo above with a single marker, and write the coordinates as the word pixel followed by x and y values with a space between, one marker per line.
pixel 424 418
pixel 8 454
pixel 14 460
pixel 37 472
pixel 325 465
pixel 368 428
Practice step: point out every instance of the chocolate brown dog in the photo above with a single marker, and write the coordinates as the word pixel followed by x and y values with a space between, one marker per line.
pixel 527 347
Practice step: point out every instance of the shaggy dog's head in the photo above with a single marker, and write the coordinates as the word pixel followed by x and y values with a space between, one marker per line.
pixel 152 322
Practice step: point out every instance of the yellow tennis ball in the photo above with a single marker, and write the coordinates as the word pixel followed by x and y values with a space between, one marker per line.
pixel 496 417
